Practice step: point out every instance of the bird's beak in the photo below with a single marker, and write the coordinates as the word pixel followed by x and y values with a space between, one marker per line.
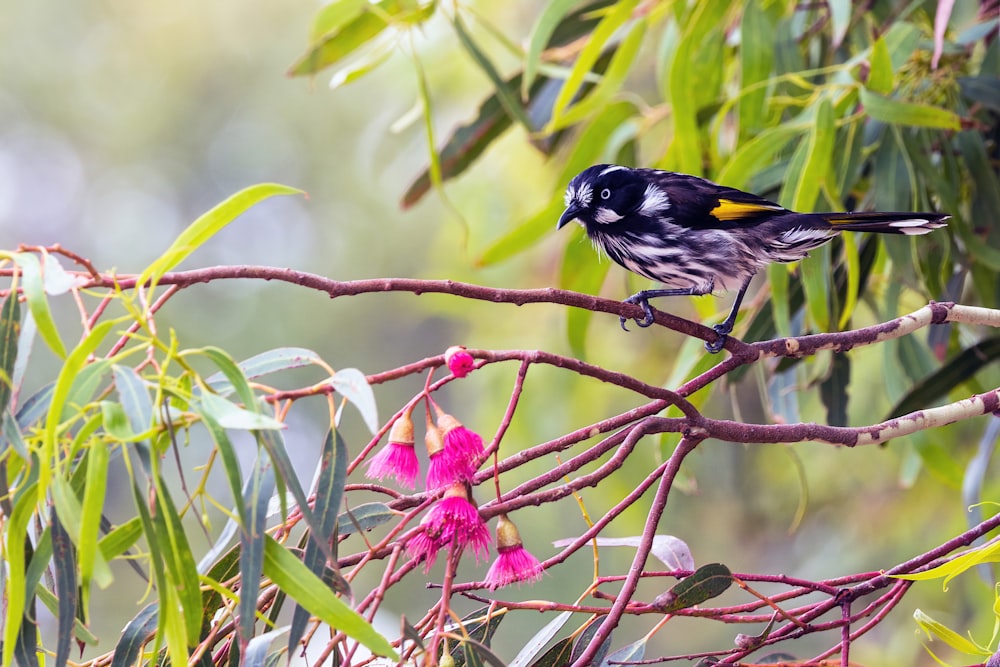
pixel 569 215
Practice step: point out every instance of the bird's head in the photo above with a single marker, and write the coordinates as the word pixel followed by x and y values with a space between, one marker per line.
pixel 604 194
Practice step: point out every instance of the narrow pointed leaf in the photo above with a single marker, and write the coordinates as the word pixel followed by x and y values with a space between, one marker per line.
pixel 92 562
pixel 135 635
pixel 364 517
pixel 134 396
pixel 210 223
pixel 256 653
pixel 258 495
pixel 707 582
pixel 329 497
pixel 16 555
pixel 893 111
pixel 265 363
pixel 10 330
pixel 64 567
pixel 538 641
pixel 230 415
pixel 295 579
pixel 545 25
pixel 353 385
pixel 38 303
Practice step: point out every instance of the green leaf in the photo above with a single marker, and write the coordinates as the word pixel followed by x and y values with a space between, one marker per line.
pixel 707 582
pixel 880 74
pixel 64 569
pixel 586 152
pixel 134 396
pixel 581 271
pixel 619 14
pixel 230 415
pixel 538 641
pixel 295 579
pixel 10 330
pixel 134 636
pixel 756 62
pixel 121 539
pixel 265 363
pixel 506 95
pixel 631 653
pixel 937 630
pixel 16 594
pixel 209 224
pixel 353 385
pixel 343 27
pixel 364 517
pixel 559 655
pixel 328 498
pixel 92 562
pixel 586 638
pixel 258 495
pixel 71 370
pixel 833 390
pixel 756 153
pixel 38 304
pixel 256 651
pixel 545 25
pixel 840 19
pixel 952 374
pixel 611 82
pixel 896 112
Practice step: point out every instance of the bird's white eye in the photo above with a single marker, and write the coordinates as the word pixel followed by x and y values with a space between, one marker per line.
pixel 605 194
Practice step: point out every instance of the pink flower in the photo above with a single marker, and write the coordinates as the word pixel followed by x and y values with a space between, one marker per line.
pixel 447 464
pixel 514 563
pixel 398 459
pixel 459 361
pixel 451 521
pixel 457 437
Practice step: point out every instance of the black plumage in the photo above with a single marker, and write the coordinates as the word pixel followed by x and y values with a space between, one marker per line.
pixel 696 236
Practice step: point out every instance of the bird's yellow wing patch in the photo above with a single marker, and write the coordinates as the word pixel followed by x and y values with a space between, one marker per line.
pixel 728 209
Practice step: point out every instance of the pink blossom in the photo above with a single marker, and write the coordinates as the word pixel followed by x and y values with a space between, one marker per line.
pixel 451 521
pixel 459 361
pixel 447 464
pixel 398 459
pixel 514 563
pixel 457 437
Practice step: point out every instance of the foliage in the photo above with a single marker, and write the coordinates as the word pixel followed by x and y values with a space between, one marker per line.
pixel 822 105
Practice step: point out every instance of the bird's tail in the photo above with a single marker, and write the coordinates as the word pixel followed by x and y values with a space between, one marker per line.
pixel 887 223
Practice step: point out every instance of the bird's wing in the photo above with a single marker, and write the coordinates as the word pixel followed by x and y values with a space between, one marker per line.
pixel 699 203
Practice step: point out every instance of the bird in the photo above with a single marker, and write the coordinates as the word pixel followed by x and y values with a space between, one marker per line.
pixel 696 236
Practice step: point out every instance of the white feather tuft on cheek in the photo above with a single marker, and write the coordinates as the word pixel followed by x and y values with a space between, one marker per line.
pixel 654 201
pixel 606 216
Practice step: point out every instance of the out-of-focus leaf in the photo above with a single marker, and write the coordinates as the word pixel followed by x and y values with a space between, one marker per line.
pixel 295 579
pixel 880 74
pixel 505 95
pixel 265 363
pixel 57 280
pixel 362 66
pixel 10 329
pixel 938 630
pixel 915 359
pixel 669 550
pixel 479 627
pixel 898 112
pixel 64 566
pixel 840 19
pixel 38 303
pixel 610 23
pixel 581 271
pixel 134 397
pixel 343 27
pixel 545 25
pixel 587 152
pixel 539 640
pixel 756 61
pixel 208 224
pixel 119 540
pixel 136 633
pixel 353 385
pixel 707 582
pixel 602 93
pixel 941 16
pixel 982 89
pixel 364 517
pixel 751 156
pixel 952 374
pixel 833 390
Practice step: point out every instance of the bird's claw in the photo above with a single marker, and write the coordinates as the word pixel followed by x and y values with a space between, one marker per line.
pixel 648 317
pixel 715 346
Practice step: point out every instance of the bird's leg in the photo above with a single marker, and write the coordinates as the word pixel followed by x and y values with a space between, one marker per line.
pixel 642 299
pixel 725 327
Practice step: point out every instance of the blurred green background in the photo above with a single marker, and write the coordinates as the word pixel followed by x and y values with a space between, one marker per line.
pixel 120 122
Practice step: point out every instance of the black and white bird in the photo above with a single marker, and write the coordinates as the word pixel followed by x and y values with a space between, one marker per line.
pixel 695 236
